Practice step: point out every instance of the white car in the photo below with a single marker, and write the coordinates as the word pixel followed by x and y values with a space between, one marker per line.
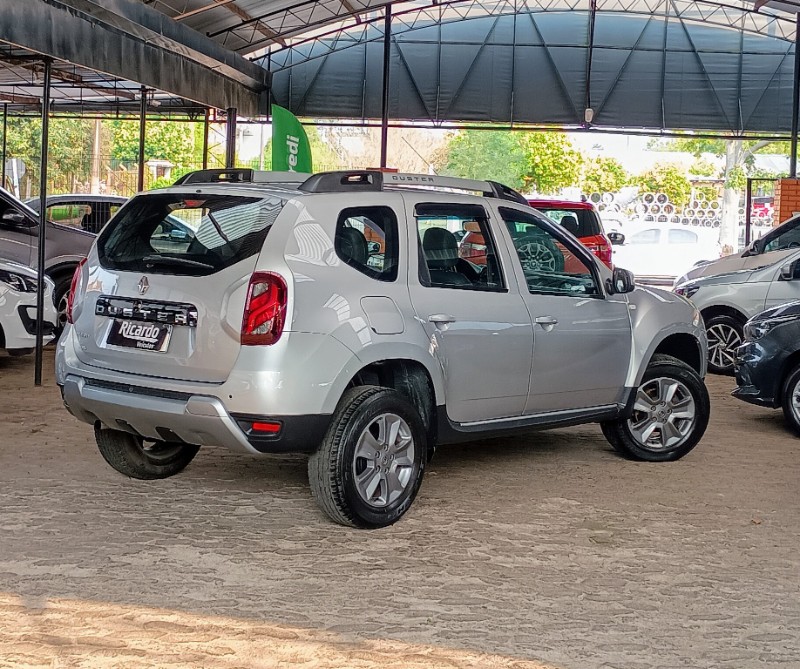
pixel 18 308
pixel 657 254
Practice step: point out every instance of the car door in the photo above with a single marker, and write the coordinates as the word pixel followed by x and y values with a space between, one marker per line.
pixel 17 233
pixel 479 329
pixel 780 290
pixel 582 337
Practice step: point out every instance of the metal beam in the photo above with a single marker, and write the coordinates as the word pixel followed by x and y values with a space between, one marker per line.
pixel 200 10
pixel 795 102
pixel 230 138
pixel 142 135
pixel 387 53
pixel 14 98
pixel 138 44
pixel 72 78
pixel 41 255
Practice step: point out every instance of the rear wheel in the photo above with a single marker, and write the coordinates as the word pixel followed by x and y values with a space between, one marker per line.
pixel 369 467
pixel 141 459
pixel 791 399
pixel 670 414
pixel 60 298
pixel 725 334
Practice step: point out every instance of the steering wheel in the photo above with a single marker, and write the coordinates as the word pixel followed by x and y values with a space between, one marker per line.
pixel 793 245
pixel 535 255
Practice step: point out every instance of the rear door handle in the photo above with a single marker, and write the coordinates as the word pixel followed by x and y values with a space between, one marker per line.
pixel 441 318
pixel 547 322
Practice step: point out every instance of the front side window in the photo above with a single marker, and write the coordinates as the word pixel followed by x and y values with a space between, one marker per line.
pixel 456 248
pixel 366 239
pixel 682 237
pixel 786 239
pixel 549 264
pixel 650 236
pixel 191 235
pixel 579 222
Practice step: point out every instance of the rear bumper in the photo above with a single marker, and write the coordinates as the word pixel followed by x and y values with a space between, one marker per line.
pixel 194 419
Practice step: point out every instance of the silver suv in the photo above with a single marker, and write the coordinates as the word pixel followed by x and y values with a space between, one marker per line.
pixel 337 317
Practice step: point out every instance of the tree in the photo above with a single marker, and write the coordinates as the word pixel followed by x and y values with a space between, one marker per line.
pixel 487 154
pixel 552 163
pixel 739 159
pixel 669 179
pixel 603 175
pixel 323 155
pixel 164 140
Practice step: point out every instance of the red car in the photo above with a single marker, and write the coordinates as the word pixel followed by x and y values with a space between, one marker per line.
pixel 579 218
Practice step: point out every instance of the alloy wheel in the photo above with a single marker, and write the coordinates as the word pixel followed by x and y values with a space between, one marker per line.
pixel 383 462
pixel 723 340
pixel 536 256
pixel 664 414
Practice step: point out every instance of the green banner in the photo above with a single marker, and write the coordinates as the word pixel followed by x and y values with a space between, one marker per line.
pixel 290 149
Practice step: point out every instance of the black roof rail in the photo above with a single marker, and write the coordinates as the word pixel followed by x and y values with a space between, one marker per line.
pixel 236 175
pixel 376 180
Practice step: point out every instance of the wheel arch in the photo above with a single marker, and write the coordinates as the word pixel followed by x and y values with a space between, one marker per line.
pixel 684 347
pixel 723 310
pixel 786 368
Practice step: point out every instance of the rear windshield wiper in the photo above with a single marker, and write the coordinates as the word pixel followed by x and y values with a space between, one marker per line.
pixel 172 260
pixel 218 227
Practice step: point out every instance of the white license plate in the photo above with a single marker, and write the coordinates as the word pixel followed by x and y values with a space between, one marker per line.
pixel 139 334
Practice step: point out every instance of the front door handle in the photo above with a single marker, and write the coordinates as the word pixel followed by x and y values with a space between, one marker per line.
pixel 547 322
pixel 441 318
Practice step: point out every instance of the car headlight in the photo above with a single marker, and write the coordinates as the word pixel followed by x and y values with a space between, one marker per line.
pixel 18 282
pixel 754 330
pixel 688 290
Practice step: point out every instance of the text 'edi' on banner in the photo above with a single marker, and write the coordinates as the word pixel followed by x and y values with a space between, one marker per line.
pixel 291 151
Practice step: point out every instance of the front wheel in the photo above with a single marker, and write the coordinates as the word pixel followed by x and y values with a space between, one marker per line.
pixel 670 414
pixel 791 399
pixel 140 459
pixel 369 467
pixel 725 334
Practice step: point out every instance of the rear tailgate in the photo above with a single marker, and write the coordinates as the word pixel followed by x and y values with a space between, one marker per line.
pixel 164 290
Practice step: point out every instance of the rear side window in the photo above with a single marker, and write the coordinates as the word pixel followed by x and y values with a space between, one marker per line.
pixel 579 222
pixel 681 237
pixel 192 235
pixel 366 239
pixel 650 236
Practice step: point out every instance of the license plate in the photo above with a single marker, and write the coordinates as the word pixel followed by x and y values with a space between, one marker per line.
pixel 142 335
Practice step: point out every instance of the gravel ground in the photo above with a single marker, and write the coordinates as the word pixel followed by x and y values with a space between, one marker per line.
pixel 539 551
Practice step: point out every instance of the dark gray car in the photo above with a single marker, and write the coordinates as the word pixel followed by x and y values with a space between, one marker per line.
pixel 65 246
pixel 86 211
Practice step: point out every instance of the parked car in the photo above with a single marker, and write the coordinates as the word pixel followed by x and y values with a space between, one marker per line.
pixel 335 317
pixel 728 300
pixel 80 210
pixel 578 218
pixel 18 308
pixel 65 246
pixel 768 363
pixel 657 253
pixel 757 254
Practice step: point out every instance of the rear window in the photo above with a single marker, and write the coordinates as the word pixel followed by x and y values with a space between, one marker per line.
pixel 580 222
pixel 186 234
pixel 681 237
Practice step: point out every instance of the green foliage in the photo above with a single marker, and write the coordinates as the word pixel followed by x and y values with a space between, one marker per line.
pixel 70 145
pixel 552 163
pixel 164 140
pixel 709 193
pixel 736 178
pixel 666 178
pixel 164 182
pixel 703 168
pixel 487 154
pixel 603 175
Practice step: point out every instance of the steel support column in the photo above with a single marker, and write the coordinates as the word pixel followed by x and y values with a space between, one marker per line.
pixel 37 374
pixel 230 137
pixel 795 100
pixel 205 139
pixel 387 50
pixel 142 127
pixel 5 142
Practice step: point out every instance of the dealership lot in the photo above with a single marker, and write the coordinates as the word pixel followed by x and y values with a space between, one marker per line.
pixel 541 551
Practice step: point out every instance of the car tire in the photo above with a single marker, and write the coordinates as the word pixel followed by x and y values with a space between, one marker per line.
pixel 128 454
pixel 539 254
pixel 60 297
pixel 369 467
pixel 725 334
pixel 670 414
pixel 790 399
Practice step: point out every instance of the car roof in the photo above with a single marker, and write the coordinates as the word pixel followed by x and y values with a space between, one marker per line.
pixel 78 197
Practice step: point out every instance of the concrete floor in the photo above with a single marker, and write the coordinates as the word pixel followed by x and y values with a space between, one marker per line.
pixel 539 551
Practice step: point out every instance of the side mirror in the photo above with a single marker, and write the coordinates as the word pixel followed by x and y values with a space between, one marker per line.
pixel 621 281
pixel 15 218
pixel 790 271
pixel 616 238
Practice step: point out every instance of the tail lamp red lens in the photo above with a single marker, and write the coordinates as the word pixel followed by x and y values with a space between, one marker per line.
pixel 264 309
pixel 73 289
pixel 266 427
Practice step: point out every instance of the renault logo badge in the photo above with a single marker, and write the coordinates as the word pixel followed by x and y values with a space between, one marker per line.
pixel 144 285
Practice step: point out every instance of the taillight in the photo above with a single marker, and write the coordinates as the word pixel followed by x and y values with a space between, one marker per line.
pixel 602 251
pixel 264 309
pixel 73 289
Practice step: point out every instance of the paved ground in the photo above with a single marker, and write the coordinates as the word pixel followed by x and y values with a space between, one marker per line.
pixel 542 551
